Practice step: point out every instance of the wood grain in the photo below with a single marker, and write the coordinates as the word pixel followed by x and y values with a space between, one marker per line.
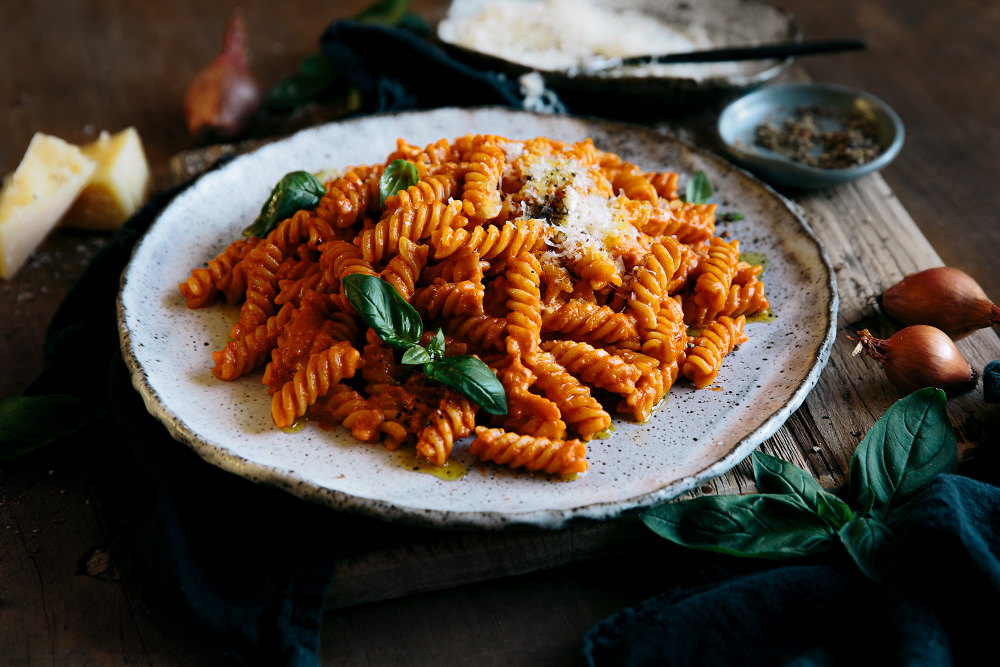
pixel 74 68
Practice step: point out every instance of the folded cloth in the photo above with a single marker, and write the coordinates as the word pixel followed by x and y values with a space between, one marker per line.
pixel 991 382
pixel 936 606
pixel 245 566
pixel 396 70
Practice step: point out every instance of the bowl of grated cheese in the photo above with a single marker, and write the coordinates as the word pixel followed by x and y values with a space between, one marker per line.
pixel 559 38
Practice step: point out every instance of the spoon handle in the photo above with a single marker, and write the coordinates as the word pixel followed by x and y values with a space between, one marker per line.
pixel 728 54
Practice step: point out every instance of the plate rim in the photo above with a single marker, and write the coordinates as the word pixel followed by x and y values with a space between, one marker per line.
pixel 291 481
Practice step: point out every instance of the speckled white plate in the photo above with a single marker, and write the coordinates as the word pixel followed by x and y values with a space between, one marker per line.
pixel 695 436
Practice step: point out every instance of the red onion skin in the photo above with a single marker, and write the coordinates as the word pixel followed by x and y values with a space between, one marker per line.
pixel 943 297
pixel 224 96
pixel 921 356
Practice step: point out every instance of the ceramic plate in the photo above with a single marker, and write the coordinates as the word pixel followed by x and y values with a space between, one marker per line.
pixel 695 436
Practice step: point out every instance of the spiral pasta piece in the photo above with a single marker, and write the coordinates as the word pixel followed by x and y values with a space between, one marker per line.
pixel 450 299
pixel 404 269
pixel 262 288
pixel 431 188
pixel 309 383
pixel 579 409
pixel 454 419
pixel 491 242
pixel 524 319
pixel 718 339
pixel 412 222
pixel 242 356
pixel 555 457
pixel 350 196
pixel 716 273
pixel 649 288
pixel 482 332
pixel 589 321
pixel 594 366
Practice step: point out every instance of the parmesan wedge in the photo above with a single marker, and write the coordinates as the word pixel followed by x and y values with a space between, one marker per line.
pixel 118 186
pixel 42 188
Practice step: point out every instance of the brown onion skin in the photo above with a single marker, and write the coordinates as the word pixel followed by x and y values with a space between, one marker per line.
pixel 942 297
pixel 921 356
pixel 223 98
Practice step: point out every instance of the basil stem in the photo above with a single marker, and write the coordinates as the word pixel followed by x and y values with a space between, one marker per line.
pixel 294 192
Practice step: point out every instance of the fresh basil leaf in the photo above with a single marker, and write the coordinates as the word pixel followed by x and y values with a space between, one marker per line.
pixel 833 510
pixel 731 216
pixel 436 346
pixel 416 355
pixel 316 74
pixel 473 379
pixel 866 501
pixel 384 310
pixel 30 422
pixel 415 23
pixel 903 452
pixel 294 192
pixel 758 525
pixel 774 475
pixel 389 12
pixel 399 175
pixel 699 189
pixel 871 544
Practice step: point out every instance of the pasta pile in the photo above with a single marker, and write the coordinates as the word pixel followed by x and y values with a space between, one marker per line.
pixel 574 275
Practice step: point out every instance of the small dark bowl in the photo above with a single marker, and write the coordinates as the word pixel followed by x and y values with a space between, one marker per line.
pixel 738 123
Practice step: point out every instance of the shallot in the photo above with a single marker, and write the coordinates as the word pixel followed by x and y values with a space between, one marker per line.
pixel 920 356
pixel 224 97
pixel 943 297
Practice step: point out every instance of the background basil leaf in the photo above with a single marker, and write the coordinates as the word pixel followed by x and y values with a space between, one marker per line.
pixel 699 189
pixel 30 422
pixel 833 510
pixel 399 175
pixel 294 192
pixel 315 76
pixel 416 355
pixel 903 452
pixel 384 310
pixel 384 11
pixel 473 379
pixel 871 544
pixel 757 525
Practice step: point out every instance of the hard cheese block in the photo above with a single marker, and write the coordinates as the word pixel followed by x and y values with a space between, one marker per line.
pixel 42 188
pixel 118 186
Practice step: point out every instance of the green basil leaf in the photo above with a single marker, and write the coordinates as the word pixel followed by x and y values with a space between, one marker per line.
pixel 389 12
pixel 30 422
pixel 699 189
pixel 731 216
pixel 871 544
pixel 294 192
pixel 833 510
pixel 473 379
pixel 774 475
pixel 384 310
pixel 315 76
pixel 866 501
pixel 415 23
pixel 904 451
pixel 758 525
pixel 399 175
pixel 416 355
pixel 436 346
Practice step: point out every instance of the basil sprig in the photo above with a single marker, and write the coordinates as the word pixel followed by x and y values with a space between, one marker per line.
pixel 30 422
pixel 399 325
pixel 399 175
pixel 699 189
pixel 793 516
pixel 294 192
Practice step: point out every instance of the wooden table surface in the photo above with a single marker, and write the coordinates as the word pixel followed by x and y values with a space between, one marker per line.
pixel 75 68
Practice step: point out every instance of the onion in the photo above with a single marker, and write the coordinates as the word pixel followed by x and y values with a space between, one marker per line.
pixel 223 97
pixel 943 297
pixel 920 356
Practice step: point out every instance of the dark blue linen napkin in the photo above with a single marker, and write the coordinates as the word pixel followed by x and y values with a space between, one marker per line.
pixel 938 605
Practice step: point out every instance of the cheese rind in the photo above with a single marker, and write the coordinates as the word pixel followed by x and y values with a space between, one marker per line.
pixel 42 188
pixel 118 186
